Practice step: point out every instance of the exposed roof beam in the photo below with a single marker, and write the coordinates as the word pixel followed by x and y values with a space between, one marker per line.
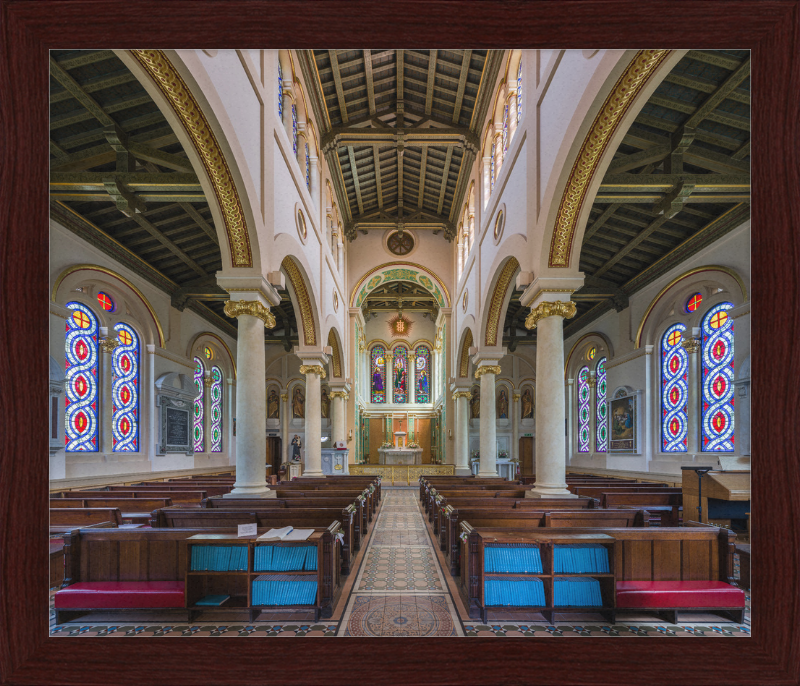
pixel 742 152
pixel 167 243
pixel 400 72
pixel 655 153
pixel 713 100
pixel 444 179
pixel 74 118
pixel 409 137
pixel 631 245
pixel 716 58
pixel 654 182
pixel 140 181
pixel 705 87
pixel 94 86
pixel 354 172
pixel 431 80
pixel 337 80
pixel 198 219
pixel 377 162
pixel 86 58
pixel 422 171
pixel 77 92
pixel 598 223
pixel 370 86
pixel 462 83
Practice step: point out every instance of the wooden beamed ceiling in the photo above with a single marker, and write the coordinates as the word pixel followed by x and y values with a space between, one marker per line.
pixel 679 180
pixel 400 130
pixel 397 295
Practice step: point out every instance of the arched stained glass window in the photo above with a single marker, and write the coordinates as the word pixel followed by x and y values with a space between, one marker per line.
pixel 80 417
pixel 294 130
pixel 519 91
pixel 308 169
pixel 423 365
pixel 674 391
pixel 280 92
pixel 125 391
pixel 717 415
pixel 216 410
pixel 491 168
pixel 400 375
pixel 505 130
pixel 602 407
pixel 378 370
pixel 583 410
pixel 199 405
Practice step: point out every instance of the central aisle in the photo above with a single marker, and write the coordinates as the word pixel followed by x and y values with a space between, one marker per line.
pixel 400 589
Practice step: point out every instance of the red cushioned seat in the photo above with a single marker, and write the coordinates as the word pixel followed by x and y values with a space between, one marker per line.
pixel 121 594
pixel 678 594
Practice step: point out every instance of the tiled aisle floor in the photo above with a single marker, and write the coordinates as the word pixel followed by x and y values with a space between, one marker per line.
pixel 400 590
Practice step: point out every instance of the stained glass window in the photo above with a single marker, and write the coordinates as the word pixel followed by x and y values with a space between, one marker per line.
pixel 694 302
pixel 602 407
pixel 216 410
pixel 378 374
pixel 294 130
pixel 423 365
pixel 717 415
pixel 199 405
pixel 674 391
pixel 491 169
pixel 280 92
pixel 400 375
pixel 592 353
pixel 209 353
pixel 125 391
pixel 308 169
pixel 106 302
pixel 519 91
pixel 505 130
pixel 583 410
pixel 80 417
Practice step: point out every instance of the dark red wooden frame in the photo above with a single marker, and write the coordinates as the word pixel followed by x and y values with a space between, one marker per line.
pixel 28 28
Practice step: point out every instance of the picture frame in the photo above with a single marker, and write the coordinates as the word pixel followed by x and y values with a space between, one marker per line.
pixel 623 419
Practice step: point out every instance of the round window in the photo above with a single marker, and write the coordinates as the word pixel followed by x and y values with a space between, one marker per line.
pixel 209 353
pixel 105 301
pixel 694 302
pixel 400 244
pixel 592 353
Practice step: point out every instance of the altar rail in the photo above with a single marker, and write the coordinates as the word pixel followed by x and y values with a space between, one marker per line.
pixel 403 473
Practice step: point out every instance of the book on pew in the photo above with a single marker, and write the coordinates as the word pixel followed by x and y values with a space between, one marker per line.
pixel 213 600
pixel 276 534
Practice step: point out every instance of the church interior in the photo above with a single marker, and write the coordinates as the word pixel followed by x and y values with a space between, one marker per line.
pixel 355 343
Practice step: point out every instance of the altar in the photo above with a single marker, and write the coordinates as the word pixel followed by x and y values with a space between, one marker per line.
pixel 398 453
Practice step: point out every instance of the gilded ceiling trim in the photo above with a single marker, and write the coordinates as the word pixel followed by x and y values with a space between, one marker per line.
pixel 691 272
pixel 301 292
pixel 604 126
pixel 414 265
pixel 496 303
pixel 104 270
pixel 463 368
pixel 205 142
pixel 336 358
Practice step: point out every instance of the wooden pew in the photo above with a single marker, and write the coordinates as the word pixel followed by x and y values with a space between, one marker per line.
pixel 184 498
pixel 274 518
pixel 346 481
pixel 665 507
pixel 114 555
pixel 136 509
pixel 80 516
pixel 144 488
pixel 643 553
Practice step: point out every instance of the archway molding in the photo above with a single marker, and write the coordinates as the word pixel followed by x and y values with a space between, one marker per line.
pixel 400 271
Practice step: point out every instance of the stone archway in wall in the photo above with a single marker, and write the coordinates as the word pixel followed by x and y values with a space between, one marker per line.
pixel 463 355
pixel 336 359
pixel 400 271
pixel 302 302
pixel 497 303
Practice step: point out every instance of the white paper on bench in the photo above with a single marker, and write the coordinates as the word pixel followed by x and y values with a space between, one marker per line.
pixel 276 534
pixel 298 535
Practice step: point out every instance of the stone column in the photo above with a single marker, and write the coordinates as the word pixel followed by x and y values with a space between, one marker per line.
pixel 692 346
pixel 314 373
pixel 251 398
pixel 486 372
pixel 461 399
pixel 339 411
pixel 285 427
pixel 106 398
pixel 515 416
pixel 550 409
pixel 412 376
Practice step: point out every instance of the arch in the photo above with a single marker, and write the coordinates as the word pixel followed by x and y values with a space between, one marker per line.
pixel 82 410
pixel 219 340
pixel 125 390
pixel 717 425
pixel 400 271
pixel 585 156
pixel 217 162
pixel 500 293
pixel 674 386
pixel 198 429
pixel 69 271
pixel 463 358
pixel 217 395
pixel 584 411
pixel 692 272
pixel 377 373
pixel 307 313
pixel 336 355
pixel 603 338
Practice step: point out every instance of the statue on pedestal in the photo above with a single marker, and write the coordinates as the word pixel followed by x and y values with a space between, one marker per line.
pixel 272 405
pixel 502 405
pixel 475 403
pixel 527 404
pixel 325 404
pixel 298 404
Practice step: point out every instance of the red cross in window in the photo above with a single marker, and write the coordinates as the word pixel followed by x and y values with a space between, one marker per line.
pixel 694 302
pixel 81 319
pixel 125 338
pixel 105 302
pixel 718 319
pixel 674 338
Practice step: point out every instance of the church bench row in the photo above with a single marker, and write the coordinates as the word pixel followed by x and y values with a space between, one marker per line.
pixel 185 498
pixel 428 482
pixel 77 517
pixel 327 491
pixel 128 506
pixel 482 517
pixel 659 558
pixel 270 518
pixel 119 571
pixel 346 481
pixel 211 490
pixel 664 507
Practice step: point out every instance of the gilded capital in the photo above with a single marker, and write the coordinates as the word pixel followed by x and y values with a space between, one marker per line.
pixel 550 309
pixel 236 308
pixel 344 395
pixel 208 380
pixel 517 396
pixel 107 345
pixel 487 369
pixel 462 394
pixel 285 397
pixel 317 369
pixel 691 345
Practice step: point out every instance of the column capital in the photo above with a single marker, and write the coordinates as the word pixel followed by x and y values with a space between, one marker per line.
pixel 462 394
pixel 108 344
pixel 517 396
pixel 487 369
pixel 208 380
pixel 691 345
pixel 344 395
pixel 557 308
pixel 236 308
pixel 285 397
pixel 317 369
